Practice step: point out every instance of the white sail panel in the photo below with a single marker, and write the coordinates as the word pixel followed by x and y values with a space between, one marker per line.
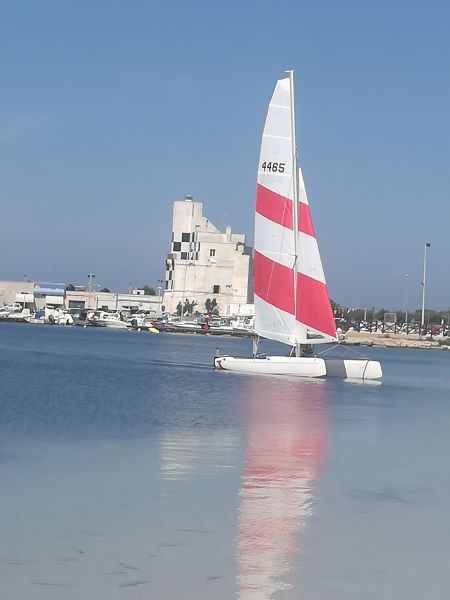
pixel 274 241
pixel 309 258
pixel 275 161
pixel 279 325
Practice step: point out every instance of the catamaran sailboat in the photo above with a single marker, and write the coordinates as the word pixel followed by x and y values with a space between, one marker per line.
pixel 292 305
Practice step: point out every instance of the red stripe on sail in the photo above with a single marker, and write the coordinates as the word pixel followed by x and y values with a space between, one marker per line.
pixel 273 282
pixel 278 209
pixel 273 206
pixel 304 220
pixel 313 305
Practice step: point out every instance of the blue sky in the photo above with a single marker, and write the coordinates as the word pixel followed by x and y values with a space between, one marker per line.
pixel 110 111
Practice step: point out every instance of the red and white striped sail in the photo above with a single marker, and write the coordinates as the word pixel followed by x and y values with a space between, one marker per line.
pixel 291 298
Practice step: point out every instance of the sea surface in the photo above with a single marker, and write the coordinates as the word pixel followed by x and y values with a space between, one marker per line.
pixel 130 469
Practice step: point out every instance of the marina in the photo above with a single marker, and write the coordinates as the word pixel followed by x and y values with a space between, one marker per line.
pixel 128 465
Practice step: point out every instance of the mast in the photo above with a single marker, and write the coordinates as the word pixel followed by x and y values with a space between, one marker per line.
pixel 295 195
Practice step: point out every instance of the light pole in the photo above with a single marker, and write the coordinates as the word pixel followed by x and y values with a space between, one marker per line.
pixel 228 286
pixel 159 288
pixel 424 282
pixel 406 303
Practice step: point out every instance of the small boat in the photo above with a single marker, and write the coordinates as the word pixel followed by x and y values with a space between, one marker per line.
pixel 292 305
pixel 142 321
pixel 220 326
pixel 193 325
pixel 10 311
pixel 243 325
pixel 106 319
pixel 57 316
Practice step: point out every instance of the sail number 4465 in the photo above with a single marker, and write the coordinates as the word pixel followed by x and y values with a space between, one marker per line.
pixel 274 167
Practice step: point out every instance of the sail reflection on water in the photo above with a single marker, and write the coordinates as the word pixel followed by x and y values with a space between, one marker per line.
pixel 186 453
pixel 286 442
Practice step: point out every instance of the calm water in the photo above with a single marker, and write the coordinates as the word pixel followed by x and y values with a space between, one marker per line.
pixel 130 469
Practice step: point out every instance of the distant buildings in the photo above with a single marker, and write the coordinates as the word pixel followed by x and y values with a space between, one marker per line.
pixel 205 263
pixel 39 295
pixel 16 291
pixel 111 301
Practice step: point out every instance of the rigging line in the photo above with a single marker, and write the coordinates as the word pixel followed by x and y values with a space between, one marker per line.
pixel 345 349
pixel 270 278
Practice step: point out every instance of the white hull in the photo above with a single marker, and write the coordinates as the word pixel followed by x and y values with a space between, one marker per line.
pixel 189 326
pixel 114 324
pixel 273 365
pixel 355 369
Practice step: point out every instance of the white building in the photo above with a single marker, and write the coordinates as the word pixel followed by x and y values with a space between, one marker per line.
pixel 16 291
pixel 204 262
pixel 111 301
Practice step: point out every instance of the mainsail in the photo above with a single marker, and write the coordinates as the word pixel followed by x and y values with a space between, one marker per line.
pixel 291 298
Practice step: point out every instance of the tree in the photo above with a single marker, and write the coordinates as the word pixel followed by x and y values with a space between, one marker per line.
pixel 70 287
pixel 105 290
pixel 379 316
pixel 188 308
pixel 211 306
pixel 148 291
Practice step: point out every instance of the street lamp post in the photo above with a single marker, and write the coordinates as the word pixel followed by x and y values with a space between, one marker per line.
pixel 424 282
pixel 229 291
pixel 159 288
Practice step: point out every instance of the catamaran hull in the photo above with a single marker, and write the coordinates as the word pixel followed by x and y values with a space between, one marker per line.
pixel 354 368
pixel 362 369
pixel 273 365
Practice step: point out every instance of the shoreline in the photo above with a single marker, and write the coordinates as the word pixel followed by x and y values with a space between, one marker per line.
pixel 393 340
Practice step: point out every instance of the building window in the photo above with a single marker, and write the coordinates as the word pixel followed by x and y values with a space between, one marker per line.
pixel 76 304
pixel 167 285
pixel 216 289
pixel 185 237
pixel 176 246
pixel 212 252
pixel 184 255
